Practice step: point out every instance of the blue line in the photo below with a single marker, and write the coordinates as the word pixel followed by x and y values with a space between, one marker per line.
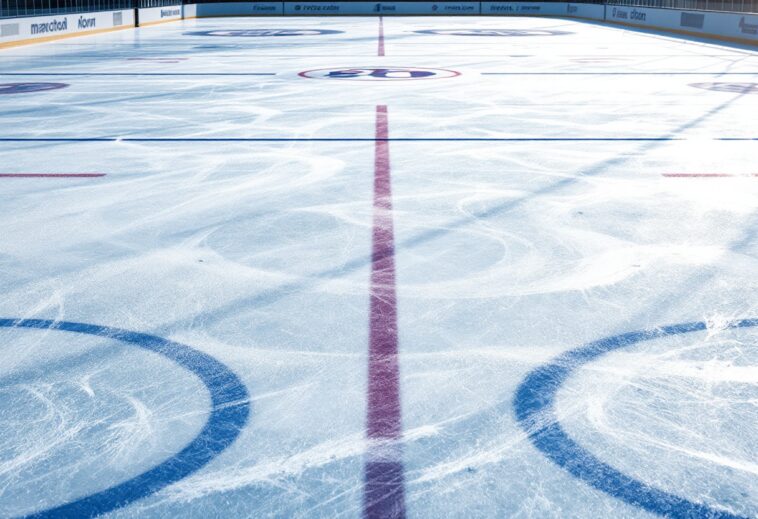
pixel 366 139
pixel 138 74
pixel 228 415
pixel 534 404
pixel 619 73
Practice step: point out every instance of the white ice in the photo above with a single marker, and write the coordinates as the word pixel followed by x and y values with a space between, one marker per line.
pixel 258 253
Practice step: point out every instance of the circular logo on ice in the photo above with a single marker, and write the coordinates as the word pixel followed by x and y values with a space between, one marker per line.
pixel 380 74
pixel 493 32
pixel 264 33
pixel 28 88
pixel 734 88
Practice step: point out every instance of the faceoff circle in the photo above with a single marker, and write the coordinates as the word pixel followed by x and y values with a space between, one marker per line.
pixel 229 413
pixel 534 405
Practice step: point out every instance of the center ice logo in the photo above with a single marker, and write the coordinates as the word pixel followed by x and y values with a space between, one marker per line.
pixel 263 33
pixel 734 88
pixel 27 88
pixel 380 74
pixel 492 32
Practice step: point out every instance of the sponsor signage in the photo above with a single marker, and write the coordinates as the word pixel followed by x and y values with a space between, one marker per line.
pixel 86 23
pixel 632 15
pixel 168 13
pixel 513 8
pixel 61 25
pixel 463 8
pixel 524 8
pixel 211 10
pixel 384 8
pixel 693 20
pixel 748 28
pixel 730 25
pixel 314 8
pixel 260 7
pixel 51 26
pixel 151 15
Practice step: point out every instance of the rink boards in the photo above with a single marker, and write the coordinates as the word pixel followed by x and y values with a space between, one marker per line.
pixel 738 27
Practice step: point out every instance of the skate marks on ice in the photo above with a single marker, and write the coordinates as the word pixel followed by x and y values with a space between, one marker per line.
pixel 228 414
pixel 675 402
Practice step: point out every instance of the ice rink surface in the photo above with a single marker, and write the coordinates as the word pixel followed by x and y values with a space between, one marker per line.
pixel 204 313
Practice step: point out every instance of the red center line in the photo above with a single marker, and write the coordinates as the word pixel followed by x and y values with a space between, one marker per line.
pixel 51 175
pixel 384 493
pixel 380 49
pixel 705 175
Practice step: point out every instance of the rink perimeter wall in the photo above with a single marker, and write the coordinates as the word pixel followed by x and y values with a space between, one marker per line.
pixel 18 31
pixel 588 11
pixel 741 28
pixel 734 27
